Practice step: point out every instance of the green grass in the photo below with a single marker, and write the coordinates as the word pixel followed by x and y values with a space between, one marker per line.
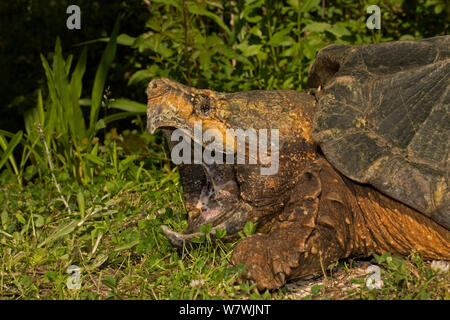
pixel 113 234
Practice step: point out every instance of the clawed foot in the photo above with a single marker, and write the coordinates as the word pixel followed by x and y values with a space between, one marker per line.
pixel 269 262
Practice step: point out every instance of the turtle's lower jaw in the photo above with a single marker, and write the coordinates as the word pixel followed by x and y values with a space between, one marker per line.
pixel 218 205
pixel 212 198
pixel 233 223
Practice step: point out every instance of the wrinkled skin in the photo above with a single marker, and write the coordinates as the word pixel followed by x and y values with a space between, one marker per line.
pixel 308 214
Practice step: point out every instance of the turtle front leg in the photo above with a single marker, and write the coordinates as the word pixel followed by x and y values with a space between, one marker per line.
pixel 312 231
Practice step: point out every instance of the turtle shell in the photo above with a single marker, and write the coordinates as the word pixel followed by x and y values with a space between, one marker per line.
pixel 383 118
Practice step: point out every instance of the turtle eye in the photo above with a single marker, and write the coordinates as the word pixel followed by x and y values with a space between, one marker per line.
pixel 203 105
pixel 204 108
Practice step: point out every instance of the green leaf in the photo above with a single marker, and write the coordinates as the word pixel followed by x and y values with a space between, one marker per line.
pixel 206 229
pixel 357 281
pixel 127 245
pixel 141 76
pixel 198 239
pixel 316 289
pixel 339 30
pixel 94 159
pixel 249 228
pixel 100 76
pixel 21 219
pixel 407 37
pixel 98 261
pixel 8 149
pixel 81 203
pixel 317 27
pixel 128 105
pixel 281 38
pixel 6 133
pixel 110 282
pixel 122 39
pixel 76 83
pixel 39 220
pixel 173 3
pixel 69 110
pixel 60 231
pixel 84 102
pixel 4 218
pixel 40 108
pixel 308 5
pixel 220 233
pixel 55 109
pixel 118 116
pixel 125 162
pixel 68 64
pixel 31 117
pixel 100 125
pixel 200 10
pixel 249 50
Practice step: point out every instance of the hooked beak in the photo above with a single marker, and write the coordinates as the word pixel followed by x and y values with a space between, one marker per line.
pixel 167 104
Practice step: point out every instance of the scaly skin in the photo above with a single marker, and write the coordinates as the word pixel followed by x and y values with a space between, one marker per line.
pixel 329 217
pixel 308 214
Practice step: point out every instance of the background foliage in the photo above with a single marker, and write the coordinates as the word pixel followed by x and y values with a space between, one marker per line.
pixel 83 183
pixel 224 45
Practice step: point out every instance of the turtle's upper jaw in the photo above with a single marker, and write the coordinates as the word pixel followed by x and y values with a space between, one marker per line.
pixel 171 104
pixel 167 104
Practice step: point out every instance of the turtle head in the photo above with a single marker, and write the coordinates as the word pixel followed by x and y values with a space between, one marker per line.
pixel 172 104
pixel 238 153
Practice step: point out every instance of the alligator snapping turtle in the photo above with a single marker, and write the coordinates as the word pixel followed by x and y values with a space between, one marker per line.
pixel 363 160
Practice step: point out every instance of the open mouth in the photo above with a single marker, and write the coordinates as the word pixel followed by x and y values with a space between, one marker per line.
pixel 211 195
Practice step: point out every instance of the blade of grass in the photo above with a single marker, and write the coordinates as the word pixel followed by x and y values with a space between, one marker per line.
pixel 6 133
pixel 128 105
pixel 76 83
pixel 52 124
pixel 9 148
pixel 61 231
pixel 118 116
pixel 100 77
pixel 71 111
pixel 122 39
pixel 81 203
pixel 30 118
pixel 40 108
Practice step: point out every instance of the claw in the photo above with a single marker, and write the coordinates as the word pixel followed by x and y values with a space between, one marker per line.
pixel 255 289
pixel 282 277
